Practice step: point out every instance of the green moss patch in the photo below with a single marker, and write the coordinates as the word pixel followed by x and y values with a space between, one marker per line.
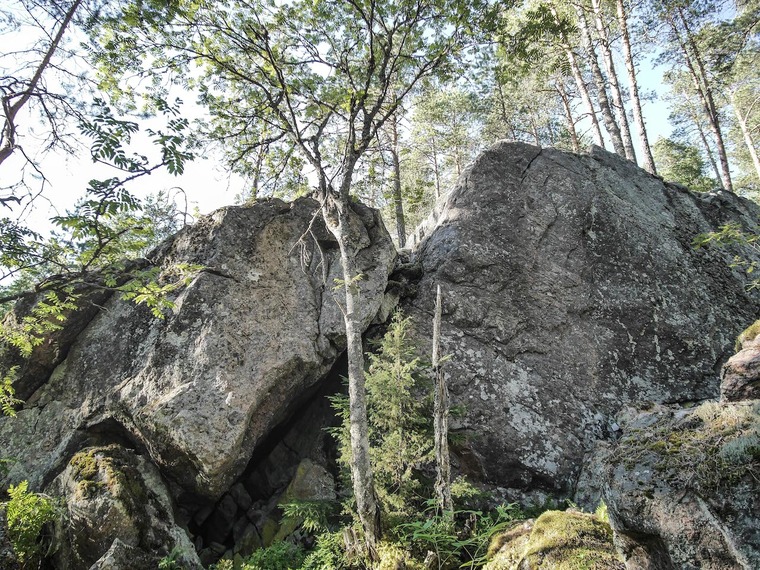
pixel 750 333
pixel 559 540
pixel 710 448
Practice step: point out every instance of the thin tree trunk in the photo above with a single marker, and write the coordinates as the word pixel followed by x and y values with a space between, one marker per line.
pixel 11 109
pixel 336 211
pixel 638 115
pixel 617 95
pixel 503 107
pixel 708 149
pixel 742 120
pixel 581 84
pixel 397 198
pixel 568 115
pixel 436 172
pixel 441 416
pixel 534 130
pixel 699 78
pixel 604 103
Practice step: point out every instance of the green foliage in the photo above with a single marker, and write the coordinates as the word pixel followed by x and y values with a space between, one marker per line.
pixel 313 515
pixel 152 287
pixel 172 561
pixel 682 163
pixel 400 432
pixel 279 556
pixel 400 441
pixel 329 552
pixel 458 541
pixel 732 234
pixel 8 401
pixel 46 317
pixel 601 512
pixel 27 513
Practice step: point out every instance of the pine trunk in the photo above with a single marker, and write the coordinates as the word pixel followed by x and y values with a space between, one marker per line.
pixel 747 134
pixel 398 201
pixel 638 115
pixel 701 84
pixel 582 88
pixel 604 103
pixel 617 95
pixel 568 115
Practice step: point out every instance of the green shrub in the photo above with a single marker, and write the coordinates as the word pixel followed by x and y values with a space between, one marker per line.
pixel 279 556
pixel 329 552
pixel 27 513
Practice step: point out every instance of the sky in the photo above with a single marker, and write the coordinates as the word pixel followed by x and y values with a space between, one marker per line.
pixel 205 184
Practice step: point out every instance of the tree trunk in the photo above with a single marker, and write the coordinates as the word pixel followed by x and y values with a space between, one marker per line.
pixel 436 172
pixel 699 79
pixel 441 416
pixel 747 134
pixel 604 103
pixel 336 211
pixel 10 108
pixel 581 84
pixel 397 198
pixel 617 95
pixel 568 115
pixel 638 115
pixel 707 147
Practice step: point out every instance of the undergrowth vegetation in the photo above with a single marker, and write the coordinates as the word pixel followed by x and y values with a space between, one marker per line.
pixel 417 534
pixel 710 448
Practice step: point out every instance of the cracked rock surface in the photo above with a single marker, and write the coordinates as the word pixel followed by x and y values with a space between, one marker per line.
pixel 571 288
pixel 245 344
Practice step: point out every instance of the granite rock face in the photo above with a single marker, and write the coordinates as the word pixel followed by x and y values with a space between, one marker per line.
pixel 741 374
pixel 681 487
pixel 245 343
pixel 571 289
pixel 194 395
pixel 116 512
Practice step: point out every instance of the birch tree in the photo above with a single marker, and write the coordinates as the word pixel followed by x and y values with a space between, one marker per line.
pixel 326 77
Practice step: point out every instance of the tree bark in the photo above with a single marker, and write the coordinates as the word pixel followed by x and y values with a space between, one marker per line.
pixel 638 115
pixel 441 416
pixel 604 103
pixel 617 95
pixel 398 201
pixel 581 84
pixel 746 133
pixel 336 211
pixel 10 109
pixel 699 79
pixel 568 115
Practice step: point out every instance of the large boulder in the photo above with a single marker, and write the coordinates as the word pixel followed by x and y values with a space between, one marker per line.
pixel 557 540
pixel 740 379
pixel 245 344
pixel 117 514
pixel 571 288
pixel 682 489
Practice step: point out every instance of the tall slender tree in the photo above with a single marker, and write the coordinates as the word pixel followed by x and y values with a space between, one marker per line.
pixel 326 76
pixel 638 114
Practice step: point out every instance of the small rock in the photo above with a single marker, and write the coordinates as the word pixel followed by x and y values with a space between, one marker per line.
pixel 740 379
pixel 241 496
pixel 219 524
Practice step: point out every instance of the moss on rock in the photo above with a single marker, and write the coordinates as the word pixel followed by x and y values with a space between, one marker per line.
pixel 749 334
pixel 558 540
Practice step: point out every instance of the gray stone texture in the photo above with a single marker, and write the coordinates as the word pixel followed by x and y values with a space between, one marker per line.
pixel 571 288
pixel 244 345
